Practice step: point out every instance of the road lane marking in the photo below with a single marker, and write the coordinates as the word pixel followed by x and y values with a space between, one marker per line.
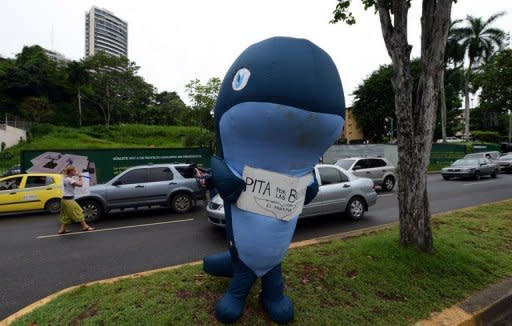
pixel 476 183
pixel 112 229
pixel 386 195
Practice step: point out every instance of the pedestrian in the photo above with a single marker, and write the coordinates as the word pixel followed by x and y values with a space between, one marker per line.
pixel 70 211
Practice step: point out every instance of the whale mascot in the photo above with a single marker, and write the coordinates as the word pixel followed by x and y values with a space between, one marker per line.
pixel 279 108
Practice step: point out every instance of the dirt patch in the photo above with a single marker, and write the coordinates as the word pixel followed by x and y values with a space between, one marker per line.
pixel 313 273
pixel 89 311
pixel 351 273
pixel 392 297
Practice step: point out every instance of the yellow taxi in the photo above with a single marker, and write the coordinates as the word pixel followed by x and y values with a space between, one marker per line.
pixel 30 192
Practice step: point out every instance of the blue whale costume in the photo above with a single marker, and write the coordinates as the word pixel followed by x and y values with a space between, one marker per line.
pixel 280 107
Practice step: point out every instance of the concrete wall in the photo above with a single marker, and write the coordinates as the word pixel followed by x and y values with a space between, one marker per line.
pixel 11 136
pixel 336 152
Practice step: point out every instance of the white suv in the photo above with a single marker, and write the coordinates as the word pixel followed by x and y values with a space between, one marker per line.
pixel 380 170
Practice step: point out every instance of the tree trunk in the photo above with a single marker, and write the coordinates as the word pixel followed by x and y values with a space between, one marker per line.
pixel 466 101
pixel 79 106
pixel 415 121
pixel 443 108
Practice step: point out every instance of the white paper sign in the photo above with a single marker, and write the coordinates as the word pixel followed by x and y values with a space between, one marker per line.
pixel 84 189
pixel 273 194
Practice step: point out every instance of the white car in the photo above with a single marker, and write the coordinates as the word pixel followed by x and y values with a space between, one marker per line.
pixel 451 140
pixel 339 191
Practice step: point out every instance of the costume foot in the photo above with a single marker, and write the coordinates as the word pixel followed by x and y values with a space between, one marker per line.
pixel 280 311
pixel 64 231
pixel 219 264
pixel 229 309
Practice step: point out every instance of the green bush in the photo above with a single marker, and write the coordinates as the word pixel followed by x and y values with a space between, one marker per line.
pixel 486 136
pixel 41 129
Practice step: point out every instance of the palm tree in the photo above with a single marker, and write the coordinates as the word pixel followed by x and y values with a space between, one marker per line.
pixel 78 76
pixel 454 54
pixel 480 41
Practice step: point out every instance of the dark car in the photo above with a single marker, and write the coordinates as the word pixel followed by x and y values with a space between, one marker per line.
pixel 16 169
pixel 169 185
pixel 505 163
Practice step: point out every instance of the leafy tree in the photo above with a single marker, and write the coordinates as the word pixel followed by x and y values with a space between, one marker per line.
pixel 78 76
pixel 203 98
pixel 495 79
pixel 480 41
pixel 33 75
pixel 37 109
pixel 374 101
pixel 171 110
pixel 416 115
pixel 114 85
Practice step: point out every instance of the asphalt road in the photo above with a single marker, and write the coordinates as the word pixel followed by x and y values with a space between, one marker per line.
pixel 35 262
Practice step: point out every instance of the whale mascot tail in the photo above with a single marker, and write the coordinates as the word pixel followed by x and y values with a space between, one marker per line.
pixel 280 107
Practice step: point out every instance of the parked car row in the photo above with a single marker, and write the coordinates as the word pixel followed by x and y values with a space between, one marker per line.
pixel 174 186
pixel 476 165
pixel 339 191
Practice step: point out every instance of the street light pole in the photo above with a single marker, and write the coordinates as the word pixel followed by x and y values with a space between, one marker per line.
pixel 509 126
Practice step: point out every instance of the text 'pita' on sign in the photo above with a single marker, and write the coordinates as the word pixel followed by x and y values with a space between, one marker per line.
pixel 273 194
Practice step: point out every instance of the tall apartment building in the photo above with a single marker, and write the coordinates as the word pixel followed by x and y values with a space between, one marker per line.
pixel 105 32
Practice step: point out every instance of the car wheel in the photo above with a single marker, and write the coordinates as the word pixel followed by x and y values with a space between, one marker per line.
pixel 92 210
pixel 476 176
pixel 446 177
pixel 355 208
pixel 388 184
pixel 181 203
pixel 493 175
pixel 52 206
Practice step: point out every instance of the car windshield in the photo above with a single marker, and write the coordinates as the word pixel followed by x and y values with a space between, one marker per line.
pixel 346 164
pixel 465 162
pixel 475 155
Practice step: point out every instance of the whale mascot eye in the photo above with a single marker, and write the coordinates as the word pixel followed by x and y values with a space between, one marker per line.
pixel 279 108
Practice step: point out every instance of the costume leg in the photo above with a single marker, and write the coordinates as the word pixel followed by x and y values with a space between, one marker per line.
pixel 231 306
pixel 220 264
pixel 277 305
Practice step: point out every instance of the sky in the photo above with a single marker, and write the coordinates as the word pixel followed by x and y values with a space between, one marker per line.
pixel 177 41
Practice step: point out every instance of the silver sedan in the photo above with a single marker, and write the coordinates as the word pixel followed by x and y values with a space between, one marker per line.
pixel 339 191
pixel 470 168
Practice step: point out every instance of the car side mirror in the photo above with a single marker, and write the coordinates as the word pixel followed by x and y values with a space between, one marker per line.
pixel 117 183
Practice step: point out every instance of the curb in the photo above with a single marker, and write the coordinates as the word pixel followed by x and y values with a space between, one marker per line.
pixel 486 307
pixel 24 311
pixel 482 306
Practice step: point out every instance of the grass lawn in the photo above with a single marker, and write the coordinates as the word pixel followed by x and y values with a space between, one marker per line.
pixel 368 280
pixel 118 136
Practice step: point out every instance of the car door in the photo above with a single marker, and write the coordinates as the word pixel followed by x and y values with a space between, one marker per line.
pixel 377 168
pixel 128 190
pixel 10 194
pixel 36 191
pixel 159 185
pixel 486 167
pixel 360 168
pixel 332 192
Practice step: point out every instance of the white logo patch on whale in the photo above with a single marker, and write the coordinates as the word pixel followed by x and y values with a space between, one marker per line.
pixel 241 79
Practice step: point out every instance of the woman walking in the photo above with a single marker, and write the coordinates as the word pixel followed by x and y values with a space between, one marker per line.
pixel 70 211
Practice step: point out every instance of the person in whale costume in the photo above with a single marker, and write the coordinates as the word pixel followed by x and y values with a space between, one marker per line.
pixel 279 108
